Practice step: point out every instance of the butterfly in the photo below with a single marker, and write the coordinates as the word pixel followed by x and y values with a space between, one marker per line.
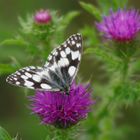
pixel 58 72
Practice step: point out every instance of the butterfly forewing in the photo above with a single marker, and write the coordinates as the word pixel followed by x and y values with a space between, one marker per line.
pixel 58 72
pixel 66 58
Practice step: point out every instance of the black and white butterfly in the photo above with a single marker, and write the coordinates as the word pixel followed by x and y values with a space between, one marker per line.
pixel 59 71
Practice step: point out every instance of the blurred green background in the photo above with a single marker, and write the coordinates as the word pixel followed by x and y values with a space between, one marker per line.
pixel 15 115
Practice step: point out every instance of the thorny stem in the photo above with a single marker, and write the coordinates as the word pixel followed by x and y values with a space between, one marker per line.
pixel 123 79
pixel 57 134
pixel 124 71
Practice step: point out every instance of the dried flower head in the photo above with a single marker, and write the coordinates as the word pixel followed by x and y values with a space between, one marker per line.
pixel 62 110
pixel 122 25
pixel 42 17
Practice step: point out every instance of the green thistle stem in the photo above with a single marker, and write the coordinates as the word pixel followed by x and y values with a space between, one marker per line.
pixel 57 134
pixel 124 71
pixel 124 52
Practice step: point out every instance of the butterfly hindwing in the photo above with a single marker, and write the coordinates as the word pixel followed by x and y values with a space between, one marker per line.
pixel 31 77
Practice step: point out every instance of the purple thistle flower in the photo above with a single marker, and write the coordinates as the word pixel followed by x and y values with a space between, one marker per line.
pixel 121 25
pixel 42 17
pixel 62 110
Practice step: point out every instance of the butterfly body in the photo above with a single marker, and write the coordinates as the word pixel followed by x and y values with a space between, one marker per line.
pixel 58 72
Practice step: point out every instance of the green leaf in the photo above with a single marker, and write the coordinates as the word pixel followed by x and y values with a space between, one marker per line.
pixel 106 5
pixel 26 24
pixel 65 20
pixel 120 3
pixel 62 23
pixel 104 56
pixel 69 17
pixel 127 93
pixel 90 35
pixel 4 134
pixel 19 42
pixel 91 9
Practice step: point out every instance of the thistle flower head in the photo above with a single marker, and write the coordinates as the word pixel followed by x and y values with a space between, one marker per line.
pixel 62 110
pixel 122 25
pixel 42 17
